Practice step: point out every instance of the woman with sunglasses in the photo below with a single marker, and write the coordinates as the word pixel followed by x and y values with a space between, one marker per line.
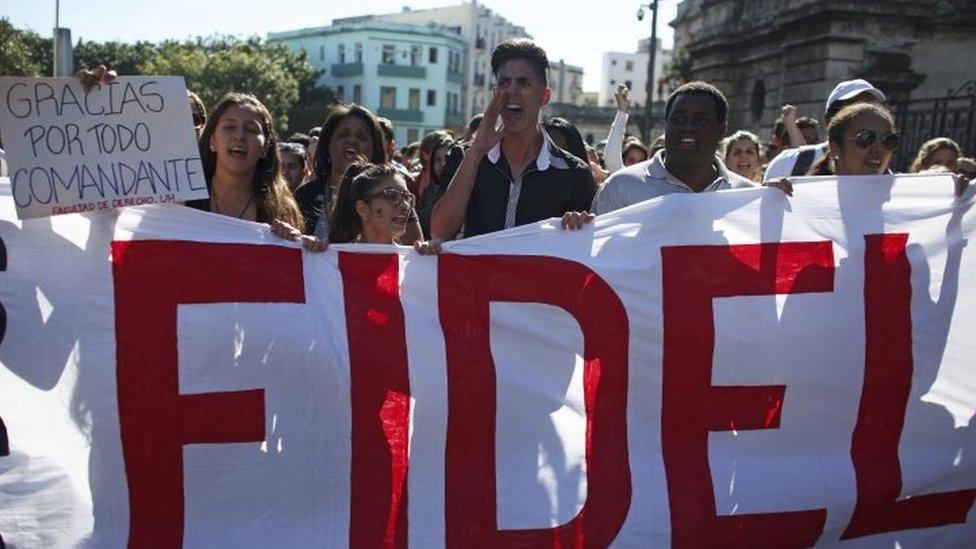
pixel 372 207
pixel 861 139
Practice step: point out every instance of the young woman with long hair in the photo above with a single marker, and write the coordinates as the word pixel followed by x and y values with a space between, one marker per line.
pixel 372 207
pixel 239 152
pixel 349 133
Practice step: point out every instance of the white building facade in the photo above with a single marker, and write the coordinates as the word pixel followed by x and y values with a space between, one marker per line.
pixel 631 69
pixel 566 82
pixel 480 27
pixel 411 74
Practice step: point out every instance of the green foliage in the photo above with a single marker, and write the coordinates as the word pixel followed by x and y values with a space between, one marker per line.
pixel 24 53
pixel 679 68
pixel 123 58
pixel 211 66
pixel 217 65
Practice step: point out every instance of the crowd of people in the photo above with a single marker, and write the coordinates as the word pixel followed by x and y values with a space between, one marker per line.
pixel 349 181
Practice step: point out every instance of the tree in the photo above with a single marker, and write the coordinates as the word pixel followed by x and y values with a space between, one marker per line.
pixel 680 66
pixel 217 65
pixel 24 53
pixel 125 59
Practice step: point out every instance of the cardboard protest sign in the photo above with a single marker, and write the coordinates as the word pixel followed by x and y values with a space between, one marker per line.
pixel 126 143
pixel 735 369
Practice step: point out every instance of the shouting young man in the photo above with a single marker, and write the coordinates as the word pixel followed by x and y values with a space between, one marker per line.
pixel 512 174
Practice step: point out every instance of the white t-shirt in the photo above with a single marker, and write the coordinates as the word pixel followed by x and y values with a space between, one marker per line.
pixel 782 165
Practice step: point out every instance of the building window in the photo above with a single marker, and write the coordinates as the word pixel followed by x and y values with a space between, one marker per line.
pixel 613 62
pixel 341 92
pixel 432 56
pixel 414 99
pixel 359 53
pixel 387 98
pixel 629 66
pixel 413 135
pixel 342 53
pixel 389 54
pixel 431 98
pixel 357 94
pixel 629 84
pixel 322 53
pixel 613 82
pixel 415 55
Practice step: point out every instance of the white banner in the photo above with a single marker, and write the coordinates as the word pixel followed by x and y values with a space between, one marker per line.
pixel 738 368
pixel 126 143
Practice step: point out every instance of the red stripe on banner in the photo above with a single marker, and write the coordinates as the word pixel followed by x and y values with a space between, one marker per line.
pixel 156 421
pixel 888 366
pixel 380 399
pixel 692 407
pixel 466 287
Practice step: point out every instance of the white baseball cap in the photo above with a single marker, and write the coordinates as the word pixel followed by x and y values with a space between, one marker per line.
pixel 849 88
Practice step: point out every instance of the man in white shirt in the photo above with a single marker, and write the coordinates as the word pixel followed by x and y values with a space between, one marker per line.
pixel 799 160
pixel 695 122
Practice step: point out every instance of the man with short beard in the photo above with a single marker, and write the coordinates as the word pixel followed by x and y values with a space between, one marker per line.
pixel 695 122
pixel 513 174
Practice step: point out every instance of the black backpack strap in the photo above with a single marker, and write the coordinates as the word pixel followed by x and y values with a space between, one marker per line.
pixel 803 161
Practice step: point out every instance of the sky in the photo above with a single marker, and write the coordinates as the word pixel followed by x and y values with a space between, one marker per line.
pixel 574 31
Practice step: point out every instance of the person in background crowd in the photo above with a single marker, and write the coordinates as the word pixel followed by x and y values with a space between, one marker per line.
pixel 940 151
pixel 472 128
pixel 808 128
pixel 798 161
pixel 425 153
pixel 301 139
pixel 966 167
pixel 695 121
pixel 238 149
pixel 786 132
pixel 392 152
pixel 634 151
pixel 294 164
pixel 513 175
pixel 613 154
pixel 313 143
pixel 565 136
pixel 409 158
pixel 740 152
pixel 435 189
pixel 656 145
pixel 350 132
pixel 197 111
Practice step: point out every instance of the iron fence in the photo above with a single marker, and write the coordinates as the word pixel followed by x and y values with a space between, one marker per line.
pixel 952 116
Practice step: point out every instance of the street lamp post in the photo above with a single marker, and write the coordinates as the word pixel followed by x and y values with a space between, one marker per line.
pixel 652 59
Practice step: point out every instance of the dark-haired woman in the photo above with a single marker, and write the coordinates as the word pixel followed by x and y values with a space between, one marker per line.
pixel 238 148
pixel 374 206
pixel 862 139
pixel 350 133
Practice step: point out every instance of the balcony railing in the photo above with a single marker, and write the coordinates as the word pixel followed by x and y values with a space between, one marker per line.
pixel 340 70
pixel 402 71
pixel 401 115
pixel 455 77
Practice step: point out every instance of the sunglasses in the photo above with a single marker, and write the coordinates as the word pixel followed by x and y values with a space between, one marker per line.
pixel 865 138
pixel 394 195
pixel 199 120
